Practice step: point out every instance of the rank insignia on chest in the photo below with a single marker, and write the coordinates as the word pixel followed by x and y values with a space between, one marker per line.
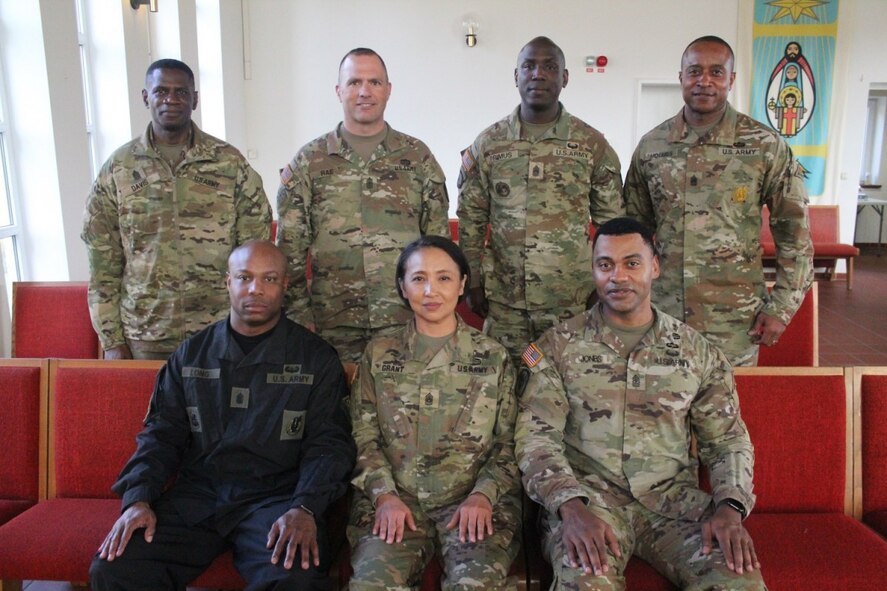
pixel 194 419
pixel 740 195
pixel 239 397
pixel 430 398
pixel 537 171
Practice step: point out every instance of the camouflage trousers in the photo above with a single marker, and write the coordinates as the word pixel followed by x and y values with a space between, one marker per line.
pixel 671 546
pixel 467 566
pixel 350 341
pixel 516 328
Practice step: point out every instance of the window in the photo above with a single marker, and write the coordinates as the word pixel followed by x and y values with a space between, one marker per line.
pixel 82 40
pixel 9 227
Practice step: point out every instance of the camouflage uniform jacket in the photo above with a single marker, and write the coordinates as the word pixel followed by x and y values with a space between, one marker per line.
pixel 355 217
pixel 537 196
pixel 438 429
pixel 595 425
pixel 703 197
pixel 158 240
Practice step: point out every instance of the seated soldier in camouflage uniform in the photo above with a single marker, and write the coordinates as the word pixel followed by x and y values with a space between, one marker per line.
pixel 433 416
pixel 609 400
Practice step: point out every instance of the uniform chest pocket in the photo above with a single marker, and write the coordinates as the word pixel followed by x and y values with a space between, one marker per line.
pixel 396 407
pixel 476 419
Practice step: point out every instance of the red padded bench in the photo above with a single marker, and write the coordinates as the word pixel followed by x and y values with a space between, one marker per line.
pixel 23 402
pixel 51 319
pixel 870 386
pixel 800 421
pixel 96 408
pixel 827 247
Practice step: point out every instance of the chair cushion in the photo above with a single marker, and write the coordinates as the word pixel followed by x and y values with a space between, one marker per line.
pixel 818 551
pixel 70 531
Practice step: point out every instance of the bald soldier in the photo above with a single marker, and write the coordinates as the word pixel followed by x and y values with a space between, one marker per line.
pixel 349 202
pixel 700 180
pixel 160 220
pixel 248 423
pixel 536 177
pixel 608 402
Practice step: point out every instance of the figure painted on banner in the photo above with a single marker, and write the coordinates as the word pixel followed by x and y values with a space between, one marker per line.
pixel 788 112
pixel 160 220
pixel 700 180
pixel 433 414
pixel 249 417
pixel 537 178
pixel 792 81
pixel 609 402
pixel 348 202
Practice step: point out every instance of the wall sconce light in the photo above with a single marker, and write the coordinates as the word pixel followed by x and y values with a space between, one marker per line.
pixel 151 4
pixel 471 28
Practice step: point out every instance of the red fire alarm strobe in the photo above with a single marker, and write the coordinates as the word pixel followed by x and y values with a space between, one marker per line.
pixel 596 64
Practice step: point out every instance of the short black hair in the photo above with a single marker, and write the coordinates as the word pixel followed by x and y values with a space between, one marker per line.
pixel 446 245
pixel 546 42
pixel 624 225
pixel 363 51
pixel 710 39
pixel 170 64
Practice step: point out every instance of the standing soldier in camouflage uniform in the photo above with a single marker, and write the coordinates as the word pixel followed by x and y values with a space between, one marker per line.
pixel 700 180
pixel 609 402
pixel 433 417
pixel 349 202
pixel 534 177
pixel 164 213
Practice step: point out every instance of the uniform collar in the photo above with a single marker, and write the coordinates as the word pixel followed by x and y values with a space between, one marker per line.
pixel 561 129
pixel 203 146
pixel 596 330
pixel 272 350
pixel 459 348
pixel 336 145
pixel 723 133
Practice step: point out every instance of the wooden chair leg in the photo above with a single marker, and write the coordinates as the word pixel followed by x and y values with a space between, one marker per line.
pixel 849 273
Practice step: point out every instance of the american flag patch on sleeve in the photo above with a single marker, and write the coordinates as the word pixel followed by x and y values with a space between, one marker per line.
pixel 286 174
pixel 532 355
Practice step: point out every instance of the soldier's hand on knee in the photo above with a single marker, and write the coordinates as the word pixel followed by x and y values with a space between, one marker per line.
pixel 294 530
pixel 735 542
pixel 587 537
pixel 138 515
pixel 474 516
pixel 392 515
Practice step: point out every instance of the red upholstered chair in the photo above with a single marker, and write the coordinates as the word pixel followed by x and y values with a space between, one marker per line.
pixel 870 385
pixel 23 403
pixel 51 319
pixel 827 247
pixel 799 344
pixel 96 408
pixel 800 421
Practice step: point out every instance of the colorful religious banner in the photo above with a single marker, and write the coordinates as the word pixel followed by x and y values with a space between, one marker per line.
pixel 794 56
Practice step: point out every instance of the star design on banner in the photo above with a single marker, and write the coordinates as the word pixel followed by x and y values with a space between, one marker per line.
pixel 796 8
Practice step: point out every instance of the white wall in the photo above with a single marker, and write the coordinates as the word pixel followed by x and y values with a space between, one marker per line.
pixel 444 92
pixel 860 63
